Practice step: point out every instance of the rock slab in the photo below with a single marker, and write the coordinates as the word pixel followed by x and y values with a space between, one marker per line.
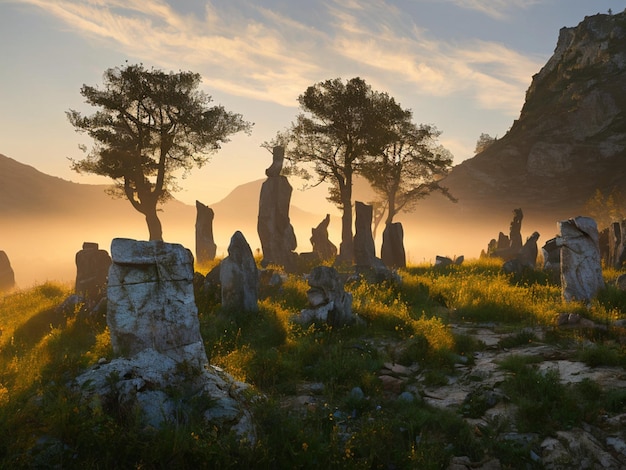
pixel 151 302
pixel 581 264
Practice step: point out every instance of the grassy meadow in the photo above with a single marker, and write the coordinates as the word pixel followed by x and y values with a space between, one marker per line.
pixel 44 344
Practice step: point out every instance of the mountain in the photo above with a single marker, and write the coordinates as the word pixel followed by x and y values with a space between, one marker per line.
pixel 570 138
pixel 44 221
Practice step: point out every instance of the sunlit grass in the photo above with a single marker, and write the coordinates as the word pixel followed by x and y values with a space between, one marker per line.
pixel 42 347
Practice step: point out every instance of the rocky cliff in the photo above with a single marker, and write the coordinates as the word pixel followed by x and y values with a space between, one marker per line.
pixel 570 138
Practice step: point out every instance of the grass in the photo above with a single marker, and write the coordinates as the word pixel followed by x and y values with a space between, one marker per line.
pixel 45 425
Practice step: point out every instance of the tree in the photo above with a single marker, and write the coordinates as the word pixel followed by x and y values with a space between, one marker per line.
pixel 483 142
pixel 409 168
pixel 606 208
pixel 150 125
pixel 343 125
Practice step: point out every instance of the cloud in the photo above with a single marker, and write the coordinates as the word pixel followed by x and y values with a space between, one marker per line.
pixel 497 9
pixel 269 55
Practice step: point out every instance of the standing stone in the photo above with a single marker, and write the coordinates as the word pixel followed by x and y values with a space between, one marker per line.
pixel 581 266
pixel 503 242
pixel 364 248
pixel 205 244
pixel 322 246
pixel 151 302
pixel 551 255
pixel 515 234
pixel 617 244
pixel 92 271
pixel 278 239
pixel 239 277
pixel 392 251
pixel 328 302
pixel 527 256
pixel 7 276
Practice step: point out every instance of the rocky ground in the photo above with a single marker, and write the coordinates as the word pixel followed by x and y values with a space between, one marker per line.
pixel 598 446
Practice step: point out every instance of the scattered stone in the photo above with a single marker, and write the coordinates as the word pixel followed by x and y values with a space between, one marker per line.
pixel 322 246
pixel 443 261
pixel 205 244
pixel 328 301
pixel 92 271
pixel 7 276
pixel 278 239
pixel 581 265
pixel 239 277
pixel 151 302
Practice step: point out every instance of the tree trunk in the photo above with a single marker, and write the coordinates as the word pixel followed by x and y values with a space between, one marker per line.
pixel 346 248
pixel 154 224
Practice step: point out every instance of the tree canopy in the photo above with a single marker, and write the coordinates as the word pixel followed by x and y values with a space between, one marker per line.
pixel 409 168
pixel 341 126
pixel 150 124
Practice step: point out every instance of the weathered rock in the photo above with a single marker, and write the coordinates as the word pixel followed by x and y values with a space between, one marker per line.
pixel 151 302
pixel 239 276
pixel 526 257
pixel 165 393
pixel 392 251
pixel 92 271
pixel 515 233
pixel 551 255
pixel 324 248
pixel 7 276
pixel 443 261
pixel 528 254
pixel 278 239
pixel 509 247
pixel 328 301
pixel 205 244
pixel 617 244
pixel 620 282
pixel 581 266
pixel 278 155
pixel 364 248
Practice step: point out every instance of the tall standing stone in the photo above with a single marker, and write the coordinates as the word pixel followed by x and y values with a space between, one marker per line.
pixel 392 251
pixel 7 276
pixel 322 246
pixel 581 265
pixel 239 276
pixel 364 248
pixel 515 233
pixel 151 302
pixel 617 244
pixel 92 271
pixel 205 244
pixel 278 239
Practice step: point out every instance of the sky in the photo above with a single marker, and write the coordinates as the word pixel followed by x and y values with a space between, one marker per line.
pixel 461 65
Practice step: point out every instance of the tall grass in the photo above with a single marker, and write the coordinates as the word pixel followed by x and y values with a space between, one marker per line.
pixel 42 346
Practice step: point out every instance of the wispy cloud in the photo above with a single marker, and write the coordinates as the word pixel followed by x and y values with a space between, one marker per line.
pixel 497 9
pixel 264 54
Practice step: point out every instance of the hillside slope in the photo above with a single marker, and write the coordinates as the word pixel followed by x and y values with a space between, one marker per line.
pixel 570 138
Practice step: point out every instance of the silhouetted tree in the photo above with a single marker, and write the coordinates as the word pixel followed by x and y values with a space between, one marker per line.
pixel 409 168
pixel 150 124
pixel 342 126
pixel 606 208
pixel 483 142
